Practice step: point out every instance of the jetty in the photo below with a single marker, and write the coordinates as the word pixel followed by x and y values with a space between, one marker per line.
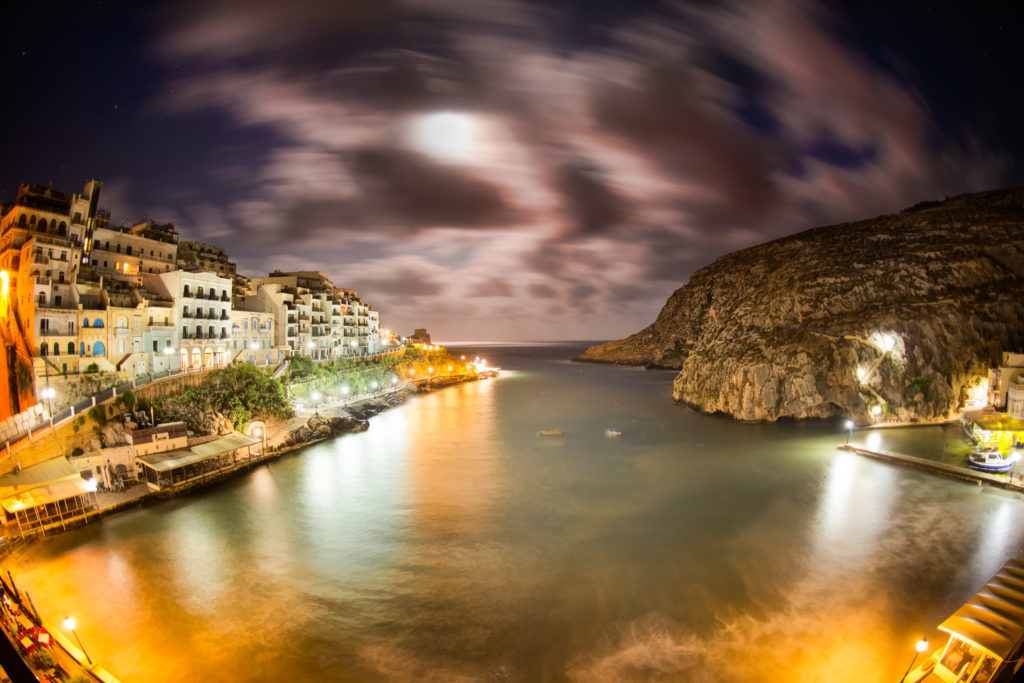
pixel 942 469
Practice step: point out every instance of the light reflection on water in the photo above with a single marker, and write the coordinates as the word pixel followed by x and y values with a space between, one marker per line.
pixel 451 542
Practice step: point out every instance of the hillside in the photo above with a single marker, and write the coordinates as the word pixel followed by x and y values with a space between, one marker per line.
pixel 893 317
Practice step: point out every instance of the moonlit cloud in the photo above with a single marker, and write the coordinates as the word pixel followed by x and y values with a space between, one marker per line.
pixel 457 161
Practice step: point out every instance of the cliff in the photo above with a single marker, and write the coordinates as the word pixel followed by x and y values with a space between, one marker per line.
pixel 892 318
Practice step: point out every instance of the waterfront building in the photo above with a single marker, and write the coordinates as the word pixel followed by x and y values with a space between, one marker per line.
pixel 202 315
pixel 198 256
pixel 129 254
pixel 108 467
pixel 187 465
pixel 164 437
pixel 45 496
pixel 1001 378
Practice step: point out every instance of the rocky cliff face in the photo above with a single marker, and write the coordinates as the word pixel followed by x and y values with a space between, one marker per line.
pixel 890 318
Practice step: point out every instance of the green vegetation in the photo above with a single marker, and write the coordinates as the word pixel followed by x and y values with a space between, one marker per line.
pixel 241 392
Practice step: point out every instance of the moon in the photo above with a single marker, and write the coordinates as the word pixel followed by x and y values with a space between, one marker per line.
pixel 444 136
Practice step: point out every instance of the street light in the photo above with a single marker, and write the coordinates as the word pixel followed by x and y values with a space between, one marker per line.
pixel 69 624
pixel 315 398
pixel 849 425
pixel 48 393
pixel 921 646
pixel 260 434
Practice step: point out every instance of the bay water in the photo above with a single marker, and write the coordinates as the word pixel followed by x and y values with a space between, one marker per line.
pixel 453 542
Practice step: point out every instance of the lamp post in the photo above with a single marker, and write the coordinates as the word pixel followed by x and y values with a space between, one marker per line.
pixel 849 425
pixel 262 436
pixel 69 624
pixel 48 393
pixel 921 646
pixel 315 398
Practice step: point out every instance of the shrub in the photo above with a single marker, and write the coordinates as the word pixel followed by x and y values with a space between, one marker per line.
pixel 98 414
pixel 92 367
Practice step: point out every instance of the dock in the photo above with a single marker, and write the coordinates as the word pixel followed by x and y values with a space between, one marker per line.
pixel 943 470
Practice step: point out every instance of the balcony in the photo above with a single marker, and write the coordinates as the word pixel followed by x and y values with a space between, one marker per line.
pixel 225 297
pixel 223 334
pixel 224 315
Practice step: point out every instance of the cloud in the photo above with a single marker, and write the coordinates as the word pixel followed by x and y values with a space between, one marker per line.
pixel 493 288
pixel 590 168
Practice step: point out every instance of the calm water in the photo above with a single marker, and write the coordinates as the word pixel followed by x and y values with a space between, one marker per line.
pixel 450 542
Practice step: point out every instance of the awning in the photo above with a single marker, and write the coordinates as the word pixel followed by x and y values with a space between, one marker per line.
pixel 50 493
pixel 994 618
pixel 169 460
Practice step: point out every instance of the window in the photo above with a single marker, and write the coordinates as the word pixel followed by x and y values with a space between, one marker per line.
pixel 156 346
pixel 85 322
pixel 71 348
pixel 43 349
pixel 137 323
pixel 97 323
pixel 42 298
pixel 57 300
pixel 60 277
pixel 71 327
pixel 44 325
pixel 56 349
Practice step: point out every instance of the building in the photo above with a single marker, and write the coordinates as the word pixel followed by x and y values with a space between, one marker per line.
pixel 252 337
pixel 45 496
pixel 164 437
pixel 205 257
pixel 188 465
pixel 202 315
pixel 1001 378
pixel 146 248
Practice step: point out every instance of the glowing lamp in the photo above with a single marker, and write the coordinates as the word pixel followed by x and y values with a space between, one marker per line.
pixel 922 645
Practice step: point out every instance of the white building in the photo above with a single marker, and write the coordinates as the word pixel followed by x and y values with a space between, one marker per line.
pixel 252 338
pixel 202 316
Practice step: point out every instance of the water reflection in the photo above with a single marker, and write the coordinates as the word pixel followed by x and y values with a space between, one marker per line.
pixel 450 542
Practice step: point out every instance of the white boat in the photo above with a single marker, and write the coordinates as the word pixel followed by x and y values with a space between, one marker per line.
pixel 611 432
pixel 989 460
pixel 550 432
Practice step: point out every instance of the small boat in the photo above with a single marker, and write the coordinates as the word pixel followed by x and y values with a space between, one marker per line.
pixel 989 460
pixel 550 432
pixel 612 432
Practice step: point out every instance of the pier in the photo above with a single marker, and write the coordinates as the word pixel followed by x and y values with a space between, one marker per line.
pixel 941 469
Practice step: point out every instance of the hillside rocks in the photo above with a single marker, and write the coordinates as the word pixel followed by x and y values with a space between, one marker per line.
pixel 893 318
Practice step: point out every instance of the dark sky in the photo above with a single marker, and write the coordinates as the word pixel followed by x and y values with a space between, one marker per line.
pixel 504 169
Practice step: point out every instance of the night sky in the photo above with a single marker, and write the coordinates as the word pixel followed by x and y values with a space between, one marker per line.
pixel 502 169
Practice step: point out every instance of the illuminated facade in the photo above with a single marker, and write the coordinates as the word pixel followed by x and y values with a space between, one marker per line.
pixel 202 316
pixel 131 253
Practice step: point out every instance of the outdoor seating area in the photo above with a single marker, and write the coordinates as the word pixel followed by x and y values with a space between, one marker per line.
pixel 185 465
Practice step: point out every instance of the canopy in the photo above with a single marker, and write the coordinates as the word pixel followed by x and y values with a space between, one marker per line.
pixel 994 618
pixel 49 493
pixel 169 460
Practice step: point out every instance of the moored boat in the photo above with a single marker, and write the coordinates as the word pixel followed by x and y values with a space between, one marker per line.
pixel 611 431
pixel 989 460
pixel 550 432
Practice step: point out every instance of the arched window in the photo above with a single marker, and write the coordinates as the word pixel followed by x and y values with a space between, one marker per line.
pixel 62 229
pixel 245 324
pixel 85 322
pixel 128 250
pixel 97 323
pixel 43 349
pixel 98 349
pixel 56 349
pixel 81 349
pixel 32 219
pixel 21 221
pixel 42 298
pixel 71 348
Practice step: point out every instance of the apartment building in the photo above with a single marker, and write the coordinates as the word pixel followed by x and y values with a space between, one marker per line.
pixel 202 315
pixel 129 254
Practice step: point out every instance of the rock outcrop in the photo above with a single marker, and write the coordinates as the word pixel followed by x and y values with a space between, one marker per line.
pixel 893 318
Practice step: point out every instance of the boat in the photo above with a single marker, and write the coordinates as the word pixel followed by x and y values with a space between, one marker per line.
pixel 611 431
pixel 986 635
pixel 989 460
pixel 550 432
